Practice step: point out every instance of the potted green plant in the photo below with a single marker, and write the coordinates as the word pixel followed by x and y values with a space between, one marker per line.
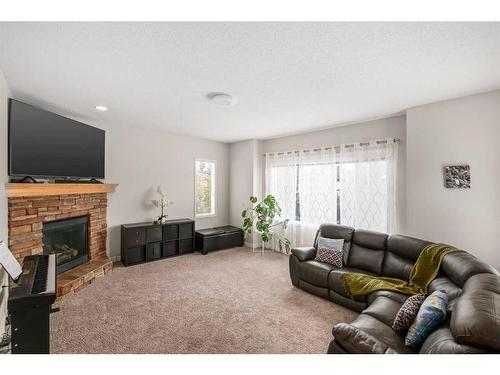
pixel 263 215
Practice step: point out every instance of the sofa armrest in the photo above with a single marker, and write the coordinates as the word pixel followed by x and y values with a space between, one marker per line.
pixel 304 253
pixel 356 341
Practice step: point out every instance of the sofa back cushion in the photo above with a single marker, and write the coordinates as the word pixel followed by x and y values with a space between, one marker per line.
pixel 461 266
pixel 367 251
pixel 402 253
pixel 475 318
pixel 441 282
pixel 337 232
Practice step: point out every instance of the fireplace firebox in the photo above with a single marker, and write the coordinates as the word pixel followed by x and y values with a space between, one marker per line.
pixel 67 239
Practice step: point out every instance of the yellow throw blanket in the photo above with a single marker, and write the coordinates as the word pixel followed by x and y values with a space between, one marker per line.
pixel 423 272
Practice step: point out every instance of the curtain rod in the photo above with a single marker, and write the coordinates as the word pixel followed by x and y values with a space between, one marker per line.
pixel 330 147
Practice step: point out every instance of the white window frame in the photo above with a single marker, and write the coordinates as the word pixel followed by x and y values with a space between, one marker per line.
pixel 213 189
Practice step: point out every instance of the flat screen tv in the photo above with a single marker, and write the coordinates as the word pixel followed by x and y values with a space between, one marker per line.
pixel 43 144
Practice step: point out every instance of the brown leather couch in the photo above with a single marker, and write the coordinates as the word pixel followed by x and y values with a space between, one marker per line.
pixel 472 286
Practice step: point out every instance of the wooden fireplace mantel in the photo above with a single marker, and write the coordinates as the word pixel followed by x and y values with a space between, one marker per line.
pixel 33 190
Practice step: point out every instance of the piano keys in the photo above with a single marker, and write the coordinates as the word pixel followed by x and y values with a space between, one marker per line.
pixel 30 302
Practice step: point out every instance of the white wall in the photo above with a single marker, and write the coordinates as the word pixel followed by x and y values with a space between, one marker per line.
pixel 240 179
pixel 459 131
pixel 139 160
pixel 244 177
pixel 258 169
pixel 4 95
pixel 392 127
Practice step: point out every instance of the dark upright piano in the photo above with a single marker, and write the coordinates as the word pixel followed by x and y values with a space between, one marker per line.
pixel 30 303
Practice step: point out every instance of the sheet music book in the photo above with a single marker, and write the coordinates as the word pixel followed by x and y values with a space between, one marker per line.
pixel 9 263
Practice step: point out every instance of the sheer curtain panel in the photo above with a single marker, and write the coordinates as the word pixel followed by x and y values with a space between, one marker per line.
pixel 367 185
pixel 349 184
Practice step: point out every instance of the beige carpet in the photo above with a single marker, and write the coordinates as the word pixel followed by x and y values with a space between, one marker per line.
pixel 230 301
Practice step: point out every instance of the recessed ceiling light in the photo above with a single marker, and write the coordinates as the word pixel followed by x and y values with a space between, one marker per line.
pixel 101 108
pixel 222 99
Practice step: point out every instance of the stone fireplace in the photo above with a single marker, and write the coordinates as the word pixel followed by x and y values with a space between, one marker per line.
pixel 70 225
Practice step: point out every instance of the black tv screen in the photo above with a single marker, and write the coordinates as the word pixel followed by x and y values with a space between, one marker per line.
pixel 43 144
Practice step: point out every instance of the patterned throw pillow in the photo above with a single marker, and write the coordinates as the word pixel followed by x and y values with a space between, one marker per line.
pixel 330 251
pixel 407 313
pixel 334 243
pixel 431 315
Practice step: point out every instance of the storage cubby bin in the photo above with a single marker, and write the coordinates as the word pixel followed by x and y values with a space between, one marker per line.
pixel 186 246
pixel 136 254
pixel 170 248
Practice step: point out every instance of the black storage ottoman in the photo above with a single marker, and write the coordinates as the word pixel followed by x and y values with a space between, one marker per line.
pixel 218 238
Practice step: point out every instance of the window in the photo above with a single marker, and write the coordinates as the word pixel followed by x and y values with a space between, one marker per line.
pixel 352 193
pixel 204 188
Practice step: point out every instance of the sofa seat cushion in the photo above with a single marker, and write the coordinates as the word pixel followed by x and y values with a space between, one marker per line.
pixel 337 284
pixel 441 341
pixel 398 297
pixel 315 273
pixel 382 332
pixel 475 319
pixel 383 309
pixel 348 302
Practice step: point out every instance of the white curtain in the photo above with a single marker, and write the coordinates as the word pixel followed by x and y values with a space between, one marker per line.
pixel 367 185
pixel 317 186
pixel 347 184
pixel 281 180
pixel 305 186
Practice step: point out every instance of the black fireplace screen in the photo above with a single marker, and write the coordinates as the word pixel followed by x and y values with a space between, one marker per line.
pixel 68 240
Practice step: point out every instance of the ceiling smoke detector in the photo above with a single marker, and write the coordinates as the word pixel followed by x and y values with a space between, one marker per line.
pixel 221 99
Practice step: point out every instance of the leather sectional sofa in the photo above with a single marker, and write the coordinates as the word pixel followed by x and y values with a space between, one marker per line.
pixel 473 289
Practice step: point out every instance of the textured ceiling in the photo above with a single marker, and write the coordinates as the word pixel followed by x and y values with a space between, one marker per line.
pixel 286 77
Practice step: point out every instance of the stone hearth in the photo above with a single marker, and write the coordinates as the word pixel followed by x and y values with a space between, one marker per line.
pixel 27 214
pixel 76 278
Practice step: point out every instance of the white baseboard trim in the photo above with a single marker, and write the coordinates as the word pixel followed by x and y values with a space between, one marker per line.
pixel 116 258
pixel 257 246
pixel 248 244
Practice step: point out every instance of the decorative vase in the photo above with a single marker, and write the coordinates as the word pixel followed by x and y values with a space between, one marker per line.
pixel 162 204
pixel 161 219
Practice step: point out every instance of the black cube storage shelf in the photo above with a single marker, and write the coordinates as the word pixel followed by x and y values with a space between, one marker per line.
pixel 145 242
